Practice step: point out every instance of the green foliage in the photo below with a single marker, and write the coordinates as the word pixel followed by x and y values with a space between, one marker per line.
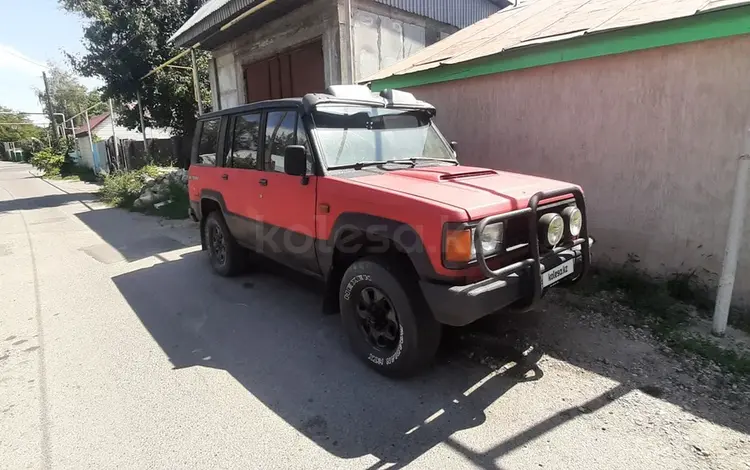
pixel 125 40
pixel 656 296
pixel 668 307
pixel 729 359
pixel 68 95
pixel 25 131
pixel 122 188
pixel 32 145
pixel 151 170
pixel 176 206
pixel 73 172
pixel 47 161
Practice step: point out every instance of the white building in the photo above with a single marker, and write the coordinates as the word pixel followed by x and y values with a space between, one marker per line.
pixel 101 130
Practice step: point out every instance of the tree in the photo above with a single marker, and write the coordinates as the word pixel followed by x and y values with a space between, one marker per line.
pixel 68 95
pixel 10 132
pixel 125 40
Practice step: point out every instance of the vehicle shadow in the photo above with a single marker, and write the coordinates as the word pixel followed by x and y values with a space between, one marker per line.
pixel 117 228
pixel 43 202
pixel 267 330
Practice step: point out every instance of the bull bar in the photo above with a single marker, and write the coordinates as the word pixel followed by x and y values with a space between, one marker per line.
pixel 535 259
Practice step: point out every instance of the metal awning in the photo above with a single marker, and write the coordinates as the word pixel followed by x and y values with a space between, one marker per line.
pixel 205 26
pixel 208 25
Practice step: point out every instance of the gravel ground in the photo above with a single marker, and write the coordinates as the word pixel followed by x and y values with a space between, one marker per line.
pixel 589 334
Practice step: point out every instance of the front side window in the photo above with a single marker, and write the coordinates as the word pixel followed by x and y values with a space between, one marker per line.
pixel 359 134
pixel 209 142
pixel 280 132
pixel 245 142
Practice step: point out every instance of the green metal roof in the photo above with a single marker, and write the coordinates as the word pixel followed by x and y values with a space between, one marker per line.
pixel 545 32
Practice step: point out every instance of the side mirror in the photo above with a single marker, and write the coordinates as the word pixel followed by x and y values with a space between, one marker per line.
pixel 295 160
pixel 454 145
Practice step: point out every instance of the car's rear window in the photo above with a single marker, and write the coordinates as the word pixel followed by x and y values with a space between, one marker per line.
pixel 209 142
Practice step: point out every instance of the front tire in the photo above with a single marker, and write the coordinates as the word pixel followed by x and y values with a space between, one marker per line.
pixel 394 334
pixel 227 258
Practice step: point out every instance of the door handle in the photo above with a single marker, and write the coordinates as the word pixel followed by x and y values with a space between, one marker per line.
pixel 263 182
pixel 225 176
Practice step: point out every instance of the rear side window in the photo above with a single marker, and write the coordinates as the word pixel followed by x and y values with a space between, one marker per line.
pixel 209 142
pixel 245 142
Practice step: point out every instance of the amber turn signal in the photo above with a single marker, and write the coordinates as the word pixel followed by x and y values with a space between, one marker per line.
pixel 458 246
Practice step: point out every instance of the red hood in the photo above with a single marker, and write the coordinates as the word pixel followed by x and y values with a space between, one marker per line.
pixel 479 191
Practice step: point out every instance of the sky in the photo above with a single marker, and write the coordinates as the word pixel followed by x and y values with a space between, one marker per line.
pixel 32 33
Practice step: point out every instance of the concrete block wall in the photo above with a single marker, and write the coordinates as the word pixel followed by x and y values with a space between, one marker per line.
pixel 383 36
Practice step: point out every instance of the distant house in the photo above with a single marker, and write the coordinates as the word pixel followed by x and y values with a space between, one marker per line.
pixel 644 103
pixel 262 50
pixel 101 131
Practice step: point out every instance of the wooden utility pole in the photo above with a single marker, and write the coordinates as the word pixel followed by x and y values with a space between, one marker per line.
pixel 196 85
pixel 94 160
pixel 114 134
pixel 49 105
pixel 143 125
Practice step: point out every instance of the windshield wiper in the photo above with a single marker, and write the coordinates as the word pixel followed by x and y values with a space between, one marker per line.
pixel 359 165
pixel 414 160
pixel 401 161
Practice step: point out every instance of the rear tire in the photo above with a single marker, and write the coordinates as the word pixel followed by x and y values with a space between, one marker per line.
pixel 394 334
pixel 227 258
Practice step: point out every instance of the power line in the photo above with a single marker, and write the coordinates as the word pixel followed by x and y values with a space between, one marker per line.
pixel 22 57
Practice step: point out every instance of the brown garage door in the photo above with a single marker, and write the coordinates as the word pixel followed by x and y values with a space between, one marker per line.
pixel 286 75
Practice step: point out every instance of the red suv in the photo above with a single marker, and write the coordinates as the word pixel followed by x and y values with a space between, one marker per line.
pixel 362 191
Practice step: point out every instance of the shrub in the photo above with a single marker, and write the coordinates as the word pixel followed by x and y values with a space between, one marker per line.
pixel 75 172
pixel 122 188
pixel 150 170
pixel 176 206
pixel 47 161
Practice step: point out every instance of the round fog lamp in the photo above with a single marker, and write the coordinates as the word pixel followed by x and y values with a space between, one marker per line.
pixel 574 217
pixel 551 229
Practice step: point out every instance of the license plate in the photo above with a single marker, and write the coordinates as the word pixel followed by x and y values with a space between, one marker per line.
pixel 559 272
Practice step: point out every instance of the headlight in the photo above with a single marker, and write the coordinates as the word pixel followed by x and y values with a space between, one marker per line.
pixel 574 218
pixel 551 229
pixel 458 245
pixel 492 238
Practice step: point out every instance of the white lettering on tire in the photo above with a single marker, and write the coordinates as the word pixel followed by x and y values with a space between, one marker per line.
pixel 390 360
pixel 372 357
pixel 355 280
pixel 375 359
pixel 393 357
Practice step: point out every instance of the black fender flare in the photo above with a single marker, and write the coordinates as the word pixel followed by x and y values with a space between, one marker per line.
pixel 211 195
pixel 378 230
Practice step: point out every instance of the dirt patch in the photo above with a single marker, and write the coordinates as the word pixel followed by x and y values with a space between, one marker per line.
pixel 597 334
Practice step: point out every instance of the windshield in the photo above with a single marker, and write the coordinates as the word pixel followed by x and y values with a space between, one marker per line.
pixel 349 135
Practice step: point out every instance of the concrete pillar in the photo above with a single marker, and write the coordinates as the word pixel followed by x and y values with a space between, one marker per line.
pixel 346 54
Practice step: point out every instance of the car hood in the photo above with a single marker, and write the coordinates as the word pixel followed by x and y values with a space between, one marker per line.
pixel 479 191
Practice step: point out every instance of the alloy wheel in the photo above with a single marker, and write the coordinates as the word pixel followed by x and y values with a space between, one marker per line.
pixel 378 319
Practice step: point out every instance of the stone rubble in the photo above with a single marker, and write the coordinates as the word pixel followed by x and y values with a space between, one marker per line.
pixel 157 190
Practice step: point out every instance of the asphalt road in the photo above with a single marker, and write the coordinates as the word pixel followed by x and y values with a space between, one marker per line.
pixel 120 349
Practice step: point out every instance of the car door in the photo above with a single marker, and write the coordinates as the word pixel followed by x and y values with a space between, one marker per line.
pixel 204 172
pixel 287 202
pixel 241 172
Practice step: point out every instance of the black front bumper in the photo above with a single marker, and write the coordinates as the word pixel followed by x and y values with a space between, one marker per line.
pixel 519 283
pixel 461 305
